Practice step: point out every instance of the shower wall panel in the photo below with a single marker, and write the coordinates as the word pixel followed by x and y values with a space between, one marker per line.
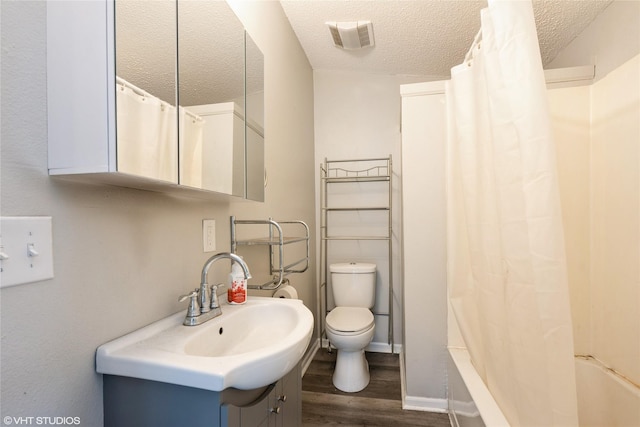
pixel 615 219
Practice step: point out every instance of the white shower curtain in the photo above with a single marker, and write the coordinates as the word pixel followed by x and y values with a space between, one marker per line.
pixel 507 270
pixel 191 155
pixel 147 134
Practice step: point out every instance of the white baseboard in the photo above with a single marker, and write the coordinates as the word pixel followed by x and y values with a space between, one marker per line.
pixel 426 404
pixel 415 403
pixel 383 347
pixel 465 409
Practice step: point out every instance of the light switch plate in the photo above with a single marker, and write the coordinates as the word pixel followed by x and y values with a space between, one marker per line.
pixel 209 235
pixel 26 248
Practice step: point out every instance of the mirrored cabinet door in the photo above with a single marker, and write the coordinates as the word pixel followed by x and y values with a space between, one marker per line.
pixel 211 97
pixel 146 105
pixel 255 171
pixel 158 94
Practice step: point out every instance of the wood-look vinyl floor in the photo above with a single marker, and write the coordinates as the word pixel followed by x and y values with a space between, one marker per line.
pixel 379 404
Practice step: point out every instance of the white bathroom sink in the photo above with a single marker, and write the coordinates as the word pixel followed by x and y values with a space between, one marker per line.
pixel 249 346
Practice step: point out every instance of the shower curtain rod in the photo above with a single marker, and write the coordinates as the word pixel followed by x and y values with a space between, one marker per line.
pixel 552 76
pixel 144 93
pixel 476 42
pixel 136 89
pixel 194 116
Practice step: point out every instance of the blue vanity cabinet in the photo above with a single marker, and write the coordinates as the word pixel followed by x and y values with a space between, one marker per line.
pixel 133 402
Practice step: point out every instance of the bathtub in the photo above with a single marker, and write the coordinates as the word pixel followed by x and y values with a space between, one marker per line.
pixel 604 399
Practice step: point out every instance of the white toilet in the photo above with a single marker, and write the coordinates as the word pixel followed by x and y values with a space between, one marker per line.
pixel 350 325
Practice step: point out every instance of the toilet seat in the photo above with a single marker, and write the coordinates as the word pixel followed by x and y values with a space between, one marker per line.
pixel 349 320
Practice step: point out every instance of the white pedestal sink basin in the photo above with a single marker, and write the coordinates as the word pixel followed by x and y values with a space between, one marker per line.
pixel 247 347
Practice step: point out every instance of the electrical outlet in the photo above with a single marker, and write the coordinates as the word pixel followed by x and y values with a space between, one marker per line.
pixel 209 235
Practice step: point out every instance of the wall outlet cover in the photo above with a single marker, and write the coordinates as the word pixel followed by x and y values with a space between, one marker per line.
pixel 209 235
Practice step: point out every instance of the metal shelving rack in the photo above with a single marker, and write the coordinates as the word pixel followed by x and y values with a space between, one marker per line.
pixel 336 172
pixel 276 241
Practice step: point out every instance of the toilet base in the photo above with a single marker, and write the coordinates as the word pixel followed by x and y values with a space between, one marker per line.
pixel 352 371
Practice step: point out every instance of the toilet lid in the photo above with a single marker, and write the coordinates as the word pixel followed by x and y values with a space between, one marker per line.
pixel 349 319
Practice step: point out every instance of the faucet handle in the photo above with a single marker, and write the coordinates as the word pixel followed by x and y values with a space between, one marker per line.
pixel 214 295
pixel 192 294
pixel 193 309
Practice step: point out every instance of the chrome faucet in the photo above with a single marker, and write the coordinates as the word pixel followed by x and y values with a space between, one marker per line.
pixel 204 305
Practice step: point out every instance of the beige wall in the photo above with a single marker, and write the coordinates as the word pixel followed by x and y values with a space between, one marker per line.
pixel 597 130
pixel 570 114
pixel 615 219
pixel 121 256
pixel 609 41
pixel 597 136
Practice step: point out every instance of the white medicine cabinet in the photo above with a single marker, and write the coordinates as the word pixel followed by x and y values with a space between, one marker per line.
pixel 164 95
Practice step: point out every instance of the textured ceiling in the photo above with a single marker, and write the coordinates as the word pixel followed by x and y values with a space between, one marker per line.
pixel 422 37
pixel 412 37
pixel 210 43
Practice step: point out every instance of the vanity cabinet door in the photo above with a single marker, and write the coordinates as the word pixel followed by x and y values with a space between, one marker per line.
pixel 285 401
pixel 292 415
pixel 256 415
pixel 280 408
pixel 277 405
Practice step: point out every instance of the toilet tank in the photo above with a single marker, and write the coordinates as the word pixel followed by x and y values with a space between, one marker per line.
pixel 353 284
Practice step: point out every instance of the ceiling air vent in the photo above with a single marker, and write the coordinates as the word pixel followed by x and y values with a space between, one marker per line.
pixel 351 35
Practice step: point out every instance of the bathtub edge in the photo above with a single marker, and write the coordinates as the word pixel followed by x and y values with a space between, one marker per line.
pixel 490 413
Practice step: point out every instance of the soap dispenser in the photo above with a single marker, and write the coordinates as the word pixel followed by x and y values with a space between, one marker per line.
pixel 237 289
